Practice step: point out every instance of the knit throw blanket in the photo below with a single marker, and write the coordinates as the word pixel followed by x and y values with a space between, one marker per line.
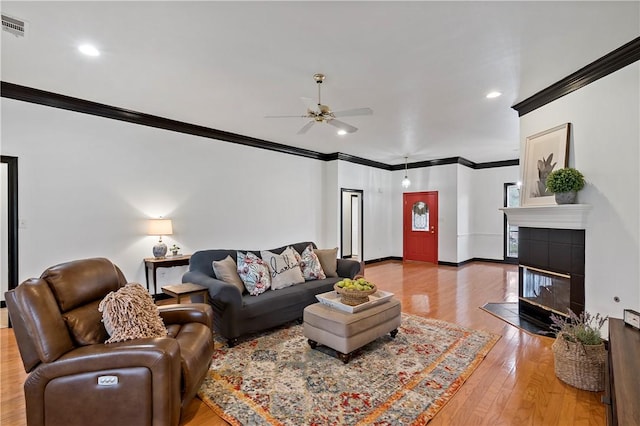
pixel 130 313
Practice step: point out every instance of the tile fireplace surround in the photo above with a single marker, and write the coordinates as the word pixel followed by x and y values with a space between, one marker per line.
pixel 551 238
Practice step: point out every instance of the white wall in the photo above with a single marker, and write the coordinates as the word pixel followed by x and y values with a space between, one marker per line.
pixel 330 206
pixel 487 222
pixel 465 212
pixel 88 184
pixel 469 221
pixel 604 146
pixel 376 186
pixel 443 179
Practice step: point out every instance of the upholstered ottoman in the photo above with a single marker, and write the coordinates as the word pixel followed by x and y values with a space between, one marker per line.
pixel 346 332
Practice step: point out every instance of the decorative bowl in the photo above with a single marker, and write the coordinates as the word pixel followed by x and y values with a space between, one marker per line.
pixel 354 297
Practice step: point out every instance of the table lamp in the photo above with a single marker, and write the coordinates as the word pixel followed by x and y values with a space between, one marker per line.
pixel 160 227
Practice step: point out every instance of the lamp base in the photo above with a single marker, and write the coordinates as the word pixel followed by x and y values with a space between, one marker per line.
pixel 160 250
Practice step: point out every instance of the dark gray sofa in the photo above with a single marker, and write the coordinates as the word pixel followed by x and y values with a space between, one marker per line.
pixel 237 314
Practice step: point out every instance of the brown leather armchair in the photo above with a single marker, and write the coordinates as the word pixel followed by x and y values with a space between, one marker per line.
pixel 76 379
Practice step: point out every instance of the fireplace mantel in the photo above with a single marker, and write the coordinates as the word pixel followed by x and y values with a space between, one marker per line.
pixel 564 216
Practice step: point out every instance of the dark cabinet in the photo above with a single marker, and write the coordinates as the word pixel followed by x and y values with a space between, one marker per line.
pixel 622 390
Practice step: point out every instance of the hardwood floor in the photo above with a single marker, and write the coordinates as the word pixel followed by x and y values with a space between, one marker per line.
pixel 514 385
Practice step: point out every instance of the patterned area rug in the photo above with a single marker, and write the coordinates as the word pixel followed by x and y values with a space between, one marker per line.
pixel 275 378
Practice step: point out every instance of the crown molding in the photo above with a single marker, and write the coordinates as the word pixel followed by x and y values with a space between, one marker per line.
pixel 457 160
pixel 56 100
pixel 607 64
pixel 493 164
pixel 356 160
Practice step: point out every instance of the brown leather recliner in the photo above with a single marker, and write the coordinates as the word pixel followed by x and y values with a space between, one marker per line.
pixel 76 379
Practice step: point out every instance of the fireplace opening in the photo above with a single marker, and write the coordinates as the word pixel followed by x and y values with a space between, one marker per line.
pixel 546 289
pixel 551 272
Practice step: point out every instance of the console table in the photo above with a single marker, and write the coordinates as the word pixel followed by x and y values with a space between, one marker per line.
pixel 622 389
pixel 151 264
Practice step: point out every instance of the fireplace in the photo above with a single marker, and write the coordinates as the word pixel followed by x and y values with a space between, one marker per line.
pixel 546 289
pixel 551 272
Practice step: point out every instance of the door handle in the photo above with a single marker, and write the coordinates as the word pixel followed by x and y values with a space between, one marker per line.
pixel 433 229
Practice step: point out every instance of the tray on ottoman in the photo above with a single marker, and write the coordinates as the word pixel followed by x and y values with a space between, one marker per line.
pixel 331 298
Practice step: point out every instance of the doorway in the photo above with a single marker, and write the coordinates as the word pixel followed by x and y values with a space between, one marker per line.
pixel 511 199
pixel 420 226
pixel 351 224
pixel 8 225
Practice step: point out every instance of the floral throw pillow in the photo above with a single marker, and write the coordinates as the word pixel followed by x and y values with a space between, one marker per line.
pixel 254 273
pixel 310 264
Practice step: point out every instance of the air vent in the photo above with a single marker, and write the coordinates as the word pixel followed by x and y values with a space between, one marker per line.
pixel 13 26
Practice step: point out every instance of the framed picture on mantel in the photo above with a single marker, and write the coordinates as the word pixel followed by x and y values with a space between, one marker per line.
pixel 544 152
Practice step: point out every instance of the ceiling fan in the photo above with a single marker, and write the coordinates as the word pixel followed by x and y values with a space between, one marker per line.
pixel 319 113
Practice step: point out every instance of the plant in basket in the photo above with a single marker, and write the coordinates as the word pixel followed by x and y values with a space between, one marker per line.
pixel 579 352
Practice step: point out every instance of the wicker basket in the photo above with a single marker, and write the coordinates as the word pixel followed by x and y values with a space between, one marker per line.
pixel 354 297
pixel 578 365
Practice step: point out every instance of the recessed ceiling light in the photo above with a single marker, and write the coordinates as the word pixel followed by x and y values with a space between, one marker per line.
pixel 492 95
pixel 89 50
pixel 342 132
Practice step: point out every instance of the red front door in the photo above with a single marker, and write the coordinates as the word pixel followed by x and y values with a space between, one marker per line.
pixel 420 226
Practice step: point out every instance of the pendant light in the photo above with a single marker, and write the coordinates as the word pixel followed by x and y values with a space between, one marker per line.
pixel 405 182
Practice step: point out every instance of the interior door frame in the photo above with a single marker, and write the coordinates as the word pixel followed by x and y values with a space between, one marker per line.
pixel 355 197
pixel 361 221
pixel 12 219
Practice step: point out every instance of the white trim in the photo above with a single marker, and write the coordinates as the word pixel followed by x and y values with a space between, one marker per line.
pixel 563 216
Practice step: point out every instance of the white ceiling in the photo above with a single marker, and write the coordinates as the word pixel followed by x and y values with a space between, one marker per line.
pixel 423 67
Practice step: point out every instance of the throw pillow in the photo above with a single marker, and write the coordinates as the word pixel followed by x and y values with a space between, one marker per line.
pixel 284 268
pixel 310 264
pixel 130 313
pixel 254 273
pixel 227 271
pixel 329 261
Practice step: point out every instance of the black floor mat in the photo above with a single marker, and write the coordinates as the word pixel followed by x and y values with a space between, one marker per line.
pixel 509 312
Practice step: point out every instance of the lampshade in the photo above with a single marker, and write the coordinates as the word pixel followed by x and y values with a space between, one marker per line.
pixel 160 227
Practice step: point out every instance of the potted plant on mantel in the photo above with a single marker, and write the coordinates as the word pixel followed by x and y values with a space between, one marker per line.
pixel 579 353
pixel 564 183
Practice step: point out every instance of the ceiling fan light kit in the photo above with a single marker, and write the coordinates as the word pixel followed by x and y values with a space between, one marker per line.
pixel 320 113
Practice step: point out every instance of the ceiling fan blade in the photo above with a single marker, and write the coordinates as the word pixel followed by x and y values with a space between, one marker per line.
pixel 342 125
pixel 352 112
pixel 284 116
pixel 306 127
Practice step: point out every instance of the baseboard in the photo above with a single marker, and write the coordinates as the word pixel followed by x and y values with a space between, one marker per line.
pixel 3 304
pixel 382 259
pixel 443 263
pixel 477 259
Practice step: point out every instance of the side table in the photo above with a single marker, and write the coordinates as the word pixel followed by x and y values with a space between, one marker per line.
pixel 152 264
pixel 186 290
